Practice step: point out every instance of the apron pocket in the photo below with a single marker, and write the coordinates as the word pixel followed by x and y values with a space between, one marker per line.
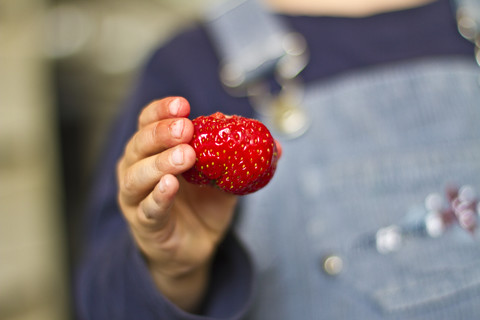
pixel 422 273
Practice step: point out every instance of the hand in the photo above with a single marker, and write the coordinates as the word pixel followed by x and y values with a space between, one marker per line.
pixel 176 225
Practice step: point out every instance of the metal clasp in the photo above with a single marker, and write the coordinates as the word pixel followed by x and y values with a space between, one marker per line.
pixel 469 26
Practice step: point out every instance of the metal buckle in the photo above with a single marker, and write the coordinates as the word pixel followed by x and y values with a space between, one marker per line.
pixel 282 110
pixel 469 28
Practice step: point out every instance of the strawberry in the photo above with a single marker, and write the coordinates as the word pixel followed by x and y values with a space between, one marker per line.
pixel 237 154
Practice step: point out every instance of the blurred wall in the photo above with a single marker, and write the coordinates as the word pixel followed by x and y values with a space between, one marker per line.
pixel 32 243
pixel 65 68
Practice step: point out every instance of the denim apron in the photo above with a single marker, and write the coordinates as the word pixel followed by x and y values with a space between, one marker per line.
pixel 356 223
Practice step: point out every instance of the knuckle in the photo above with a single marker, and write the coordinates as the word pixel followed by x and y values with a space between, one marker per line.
pixel 128 152
pixel 128 184
pixel 158 198
pixel 135 145
pixel 143 117
pixel 156 133
pixel 159 163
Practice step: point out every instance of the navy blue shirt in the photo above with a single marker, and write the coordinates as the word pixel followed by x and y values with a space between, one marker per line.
pixel 113 281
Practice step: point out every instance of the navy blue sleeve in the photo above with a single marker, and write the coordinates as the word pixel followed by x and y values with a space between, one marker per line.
pixel 112 280
pixel 115 283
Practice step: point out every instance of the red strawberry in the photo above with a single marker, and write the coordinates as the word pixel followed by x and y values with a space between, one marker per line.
pixel 237 154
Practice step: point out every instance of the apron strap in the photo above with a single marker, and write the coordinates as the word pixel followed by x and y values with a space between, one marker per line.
pixel 252 42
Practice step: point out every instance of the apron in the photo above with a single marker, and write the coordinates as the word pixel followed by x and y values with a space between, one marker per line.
pixel 356 223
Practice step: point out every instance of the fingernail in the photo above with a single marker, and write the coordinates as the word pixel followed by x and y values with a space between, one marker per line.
pixel 176 129
pixel 174 106
pixel 177 156
pixel 163 185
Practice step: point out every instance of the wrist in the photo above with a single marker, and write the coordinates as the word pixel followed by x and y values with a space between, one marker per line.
pixel 186 290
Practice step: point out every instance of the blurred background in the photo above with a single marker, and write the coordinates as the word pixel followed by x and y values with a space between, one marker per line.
pixel 65 68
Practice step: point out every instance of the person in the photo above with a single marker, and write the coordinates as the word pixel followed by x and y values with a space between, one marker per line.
pixel 355 223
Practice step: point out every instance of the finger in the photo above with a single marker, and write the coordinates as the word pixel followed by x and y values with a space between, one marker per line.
pixel 279 148
pixel 154 209
pixel 162 109
pixel 157 137
pixel 140 178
